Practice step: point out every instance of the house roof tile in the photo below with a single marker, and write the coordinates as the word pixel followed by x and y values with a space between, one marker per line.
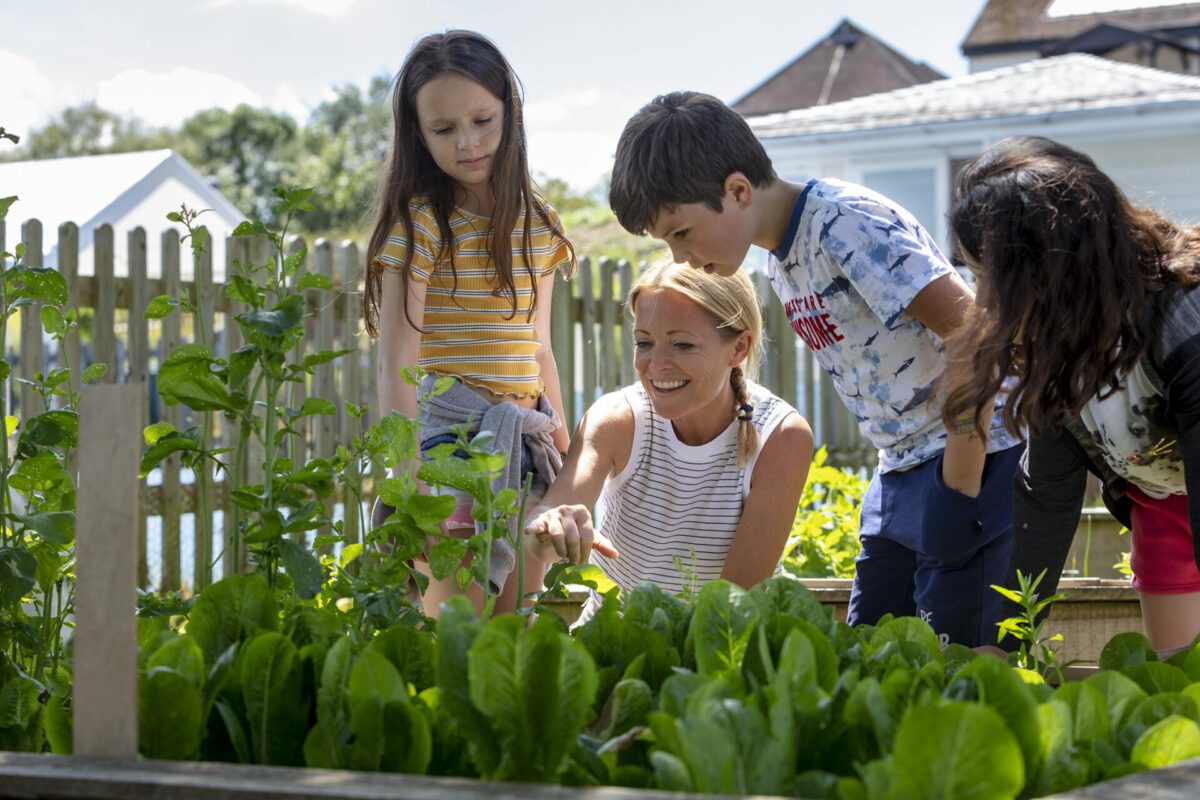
pixel 1073 82
pixel 847 63
pixel 1025 23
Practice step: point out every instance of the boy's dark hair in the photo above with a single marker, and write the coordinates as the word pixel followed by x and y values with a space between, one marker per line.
pixel 679 148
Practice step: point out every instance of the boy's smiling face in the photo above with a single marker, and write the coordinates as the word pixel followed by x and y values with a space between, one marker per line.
pixel 715 241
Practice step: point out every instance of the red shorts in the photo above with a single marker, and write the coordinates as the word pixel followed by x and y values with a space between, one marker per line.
pixel 1162 559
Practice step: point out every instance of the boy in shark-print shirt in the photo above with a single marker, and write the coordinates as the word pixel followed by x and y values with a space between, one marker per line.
pixel 867 289
pixel 850 263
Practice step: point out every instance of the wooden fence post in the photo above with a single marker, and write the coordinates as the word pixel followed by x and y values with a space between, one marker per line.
pixel 626 370
pixel 171 505
pixel 237 248
pixel 3 268
pixel 324 425
pixel 106 552
pixel 609 327
pixel 31 322
pixel 351 370
pixel 587 323
pixel 562 341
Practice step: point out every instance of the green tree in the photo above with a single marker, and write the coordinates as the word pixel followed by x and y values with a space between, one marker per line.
pixel 88 129
pixel 342 151
pixel 247 151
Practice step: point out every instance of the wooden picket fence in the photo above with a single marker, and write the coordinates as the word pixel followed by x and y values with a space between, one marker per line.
pixel 591 340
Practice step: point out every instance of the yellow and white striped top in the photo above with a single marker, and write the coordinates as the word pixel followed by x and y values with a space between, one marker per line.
pixel 469 329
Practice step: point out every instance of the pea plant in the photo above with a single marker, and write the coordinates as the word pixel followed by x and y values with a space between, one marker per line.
pixel 277 494
pixel 37 511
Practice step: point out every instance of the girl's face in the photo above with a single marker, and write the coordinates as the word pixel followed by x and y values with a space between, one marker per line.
pixel 461 124
pixel 682 359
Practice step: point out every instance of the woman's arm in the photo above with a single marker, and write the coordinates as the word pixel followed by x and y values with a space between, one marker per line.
pixel 399 345
pixel 775 488
pixel 560 524
pixel 547 367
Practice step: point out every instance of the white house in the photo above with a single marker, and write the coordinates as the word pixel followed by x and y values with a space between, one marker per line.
pixel 1141 125
pixel 125 190
pixel 1164 34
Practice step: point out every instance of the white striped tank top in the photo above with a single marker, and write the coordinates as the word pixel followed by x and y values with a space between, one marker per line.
pixel 674 501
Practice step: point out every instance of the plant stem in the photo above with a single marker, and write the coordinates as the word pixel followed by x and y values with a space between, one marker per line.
pixel 269 459
pixel 519 540
pixel 5 504
pixel 244 433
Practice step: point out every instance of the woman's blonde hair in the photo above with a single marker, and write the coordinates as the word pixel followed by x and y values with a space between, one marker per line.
pixel 733 305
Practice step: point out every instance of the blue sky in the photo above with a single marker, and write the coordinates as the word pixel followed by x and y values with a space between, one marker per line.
pixel 585 66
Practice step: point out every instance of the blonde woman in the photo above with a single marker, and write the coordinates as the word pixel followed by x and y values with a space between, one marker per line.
pixel 697 469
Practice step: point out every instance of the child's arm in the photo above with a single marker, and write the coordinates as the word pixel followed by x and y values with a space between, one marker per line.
pixel 399 345
pixel 941 306
pixel 547 367
pixel 962 462
pixel 775 488
pixel 560 525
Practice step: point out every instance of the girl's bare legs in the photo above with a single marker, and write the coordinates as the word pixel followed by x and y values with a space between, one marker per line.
pixel 1171 620
pixel 439 592
pixel 534 572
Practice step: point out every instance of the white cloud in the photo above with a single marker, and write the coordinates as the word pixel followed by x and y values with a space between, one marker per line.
pixel 168 98
pixel 561 107
pixel 27 97
pixel 581 158
pixel 333 9
pixel 573 135
pixel 286 100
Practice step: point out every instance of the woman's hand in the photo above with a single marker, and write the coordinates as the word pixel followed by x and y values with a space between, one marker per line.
pixel 565 532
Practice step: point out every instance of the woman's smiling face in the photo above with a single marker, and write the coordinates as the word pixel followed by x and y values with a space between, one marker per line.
pixel 684 360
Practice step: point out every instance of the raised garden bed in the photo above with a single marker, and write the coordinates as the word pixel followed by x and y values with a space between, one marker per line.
pixel 42 777
pixel 1093 611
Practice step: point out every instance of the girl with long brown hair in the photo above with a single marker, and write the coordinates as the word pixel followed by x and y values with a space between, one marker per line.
pixel 461 269
pixel 1087 314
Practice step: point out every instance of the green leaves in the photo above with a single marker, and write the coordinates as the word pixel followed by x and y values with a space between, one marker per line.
pixel 1167 742
pixel 25 285
pixel 275 709
pixel 534 687
pixel 230 611
pixel 17 574
pixel 188 376
pixel 303 568
pixel 160 307
pixel 958 751
pixel 721 626
pixel 169 716
pixel 285 317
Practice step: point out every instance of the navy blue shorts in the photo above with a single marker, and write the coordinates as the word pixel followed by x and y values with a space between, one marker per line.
pixel 929 551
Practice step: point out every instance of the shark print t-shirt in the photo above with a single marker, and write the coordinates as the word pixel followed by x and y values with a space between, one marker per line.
pixel 849 265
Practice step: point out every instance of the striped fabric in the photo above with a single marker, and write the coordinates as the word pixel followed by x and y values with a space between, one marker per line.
pixel 674 500
pixel 468 332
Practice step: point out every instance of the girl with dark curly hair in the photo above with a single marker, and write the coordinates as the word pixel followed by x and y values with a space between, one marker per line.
pixel 1087 314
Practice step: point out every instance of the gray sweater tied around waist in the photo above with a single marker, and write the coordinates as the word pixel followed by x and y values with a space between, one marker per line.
pixel 511 426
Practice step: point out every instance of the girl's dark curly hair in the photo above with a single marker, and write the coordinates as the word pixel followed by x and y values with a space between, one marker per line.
pixel 1065 264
